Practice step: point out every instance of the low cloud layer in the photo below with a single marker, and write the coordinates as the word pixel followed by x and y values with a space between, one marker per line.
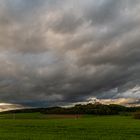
pixel 129 102
pixel 8 106
pixel 56 52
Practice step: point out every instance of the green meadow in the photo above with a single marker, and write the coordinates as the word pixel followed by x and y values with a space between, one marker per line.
pixel 35 126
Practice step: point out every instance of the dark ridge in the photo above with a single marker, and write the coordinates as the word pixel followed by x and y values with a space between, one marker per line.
pixel 95 109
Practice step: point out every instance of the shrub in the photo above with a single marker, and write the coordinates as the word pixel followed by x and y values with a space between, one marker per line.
pixel 137 115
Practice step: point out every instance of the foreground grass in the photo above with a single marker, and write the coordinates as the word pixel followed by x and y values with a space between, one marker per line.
pixel 85 128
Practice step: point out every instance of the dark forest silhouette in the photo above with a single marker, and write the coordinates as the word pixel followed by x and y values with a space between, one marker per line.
pixel 95 109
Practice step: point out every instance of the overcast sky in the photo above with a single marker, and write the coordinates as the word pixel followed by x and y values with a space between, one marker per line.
pixel 56 52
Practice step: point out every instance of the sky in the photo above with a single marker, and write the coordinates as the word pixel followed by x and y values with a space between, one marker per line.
pixel 60 52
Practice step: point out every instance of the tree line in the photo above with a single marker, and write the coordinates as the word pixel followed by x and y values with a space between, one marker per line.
pixel 95 109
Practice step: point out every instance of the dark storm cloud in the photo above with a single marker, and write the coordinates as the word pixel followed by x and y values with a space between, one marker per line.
pixel 104 11
pixel 67 23
pixel 57 52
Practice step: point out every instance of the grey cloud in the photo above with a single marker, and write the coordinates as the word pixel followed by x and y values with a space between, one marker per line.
pixel 104 11
pixel 67 23
pixel 59 53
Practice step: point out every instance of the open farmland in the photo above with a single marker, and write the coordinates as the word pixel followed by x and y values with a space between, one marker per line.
pixel 35 126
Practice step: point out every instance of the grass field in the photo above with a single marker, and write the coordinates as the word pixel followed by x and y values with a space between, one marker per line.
pixel 34 126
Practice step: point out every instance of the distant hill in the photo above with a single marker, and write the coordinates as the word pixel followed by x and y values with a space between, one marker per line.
pixel 95 109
